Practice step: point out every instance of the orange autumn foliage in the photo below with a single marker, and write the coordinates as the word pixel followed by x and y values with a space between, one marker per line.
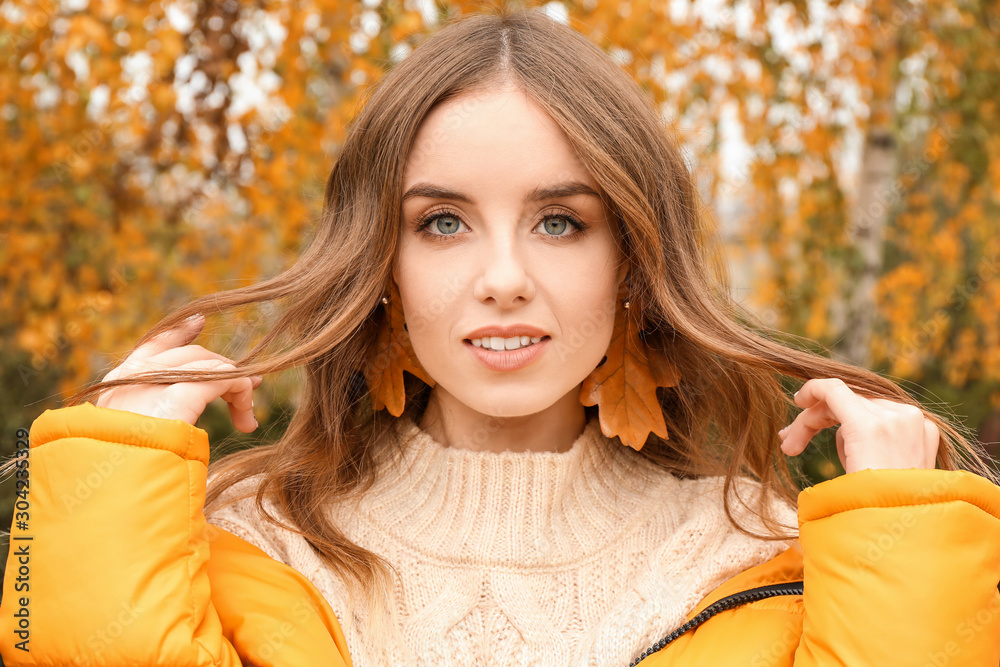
pixel 624 386
pixel 136 176
pixel 384 373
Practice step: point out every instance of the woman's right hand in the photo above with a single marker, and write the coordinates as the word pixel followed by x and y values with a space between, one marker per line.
pixel 170 350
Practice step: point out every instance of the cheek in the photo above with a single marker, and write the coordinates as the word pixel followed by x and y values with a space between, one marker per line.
pixel 585 287
pixel 587 323
pixel 426 298
pixel 410 273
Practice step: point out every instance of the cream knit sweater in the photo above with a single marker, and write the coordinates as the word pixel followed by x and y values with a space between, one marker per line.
pixel 583 557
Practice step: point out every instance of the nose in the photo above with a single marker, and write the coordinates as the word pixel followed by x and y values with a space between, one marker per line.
pixel 505 278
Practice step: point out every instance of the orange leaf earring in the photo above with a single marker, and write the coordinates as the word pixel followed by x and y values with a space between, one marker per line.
pixel 624 386
pixel 384 372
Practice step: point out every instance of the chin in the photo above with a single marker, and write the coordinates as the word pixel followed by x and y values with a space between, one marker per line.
pixel 503 409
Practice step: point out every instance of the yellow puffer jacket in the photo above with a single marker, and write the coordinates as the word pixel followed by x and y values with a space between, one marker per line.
pixel 113 563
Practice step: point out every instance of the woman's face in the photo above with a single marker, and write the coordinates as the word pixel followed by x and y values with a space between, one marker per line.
pixel 499 187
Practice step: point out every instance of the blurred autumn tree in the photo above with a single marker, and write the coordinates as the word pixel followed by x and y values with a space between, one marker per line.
pixel 871 188
pixel 154 151
pixel 157 150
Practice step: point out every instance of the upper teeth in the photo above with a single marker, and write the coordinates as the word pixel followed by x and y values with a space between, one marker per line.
pixel 498 343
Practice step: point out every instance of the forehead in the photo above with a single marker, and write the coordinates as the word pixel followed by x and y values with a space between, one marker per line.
pixel 488 136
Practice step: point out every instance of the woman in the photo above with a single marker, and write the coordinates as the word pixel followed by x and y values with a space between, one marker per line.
pixel 545 486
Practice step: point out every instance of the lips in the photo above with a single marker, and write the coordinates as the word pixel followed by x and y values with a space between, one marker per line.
pixel 509 331
pixel 510 360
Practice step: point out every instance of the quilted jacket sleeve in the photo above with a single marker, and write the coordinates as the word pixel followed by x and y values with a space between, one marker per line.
pixel 900 568
pixel 116 564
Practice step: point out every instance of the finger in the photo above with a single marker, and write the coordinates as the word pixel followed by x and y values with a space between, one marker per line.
pixel 841 450
pixel 834 403
pixel 178 356
pixel 240 403
pixel 182 334
pixel 236 391
pixel 104 397
pixel 842 402
pixel 805 426
pixel 240 395
pixel 255 381
pixel 820 398
pixel 932 441
pixel 243 421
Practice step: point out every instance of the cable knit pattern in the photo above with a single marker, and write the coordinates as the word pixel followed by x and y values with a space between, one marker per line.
pixel 583 557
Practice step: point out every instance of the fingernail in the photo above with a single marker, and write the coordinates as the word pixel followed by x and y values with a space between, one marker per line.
pixel 783 431
pixel 795 394
pixel 192 318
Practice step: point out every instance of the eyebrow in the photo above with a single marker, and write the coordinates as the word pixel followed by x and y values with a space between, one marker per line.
pixel 568 189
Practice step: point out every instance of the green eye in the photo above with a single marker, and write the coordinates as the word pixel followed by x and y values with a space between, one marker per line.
pixel 437 216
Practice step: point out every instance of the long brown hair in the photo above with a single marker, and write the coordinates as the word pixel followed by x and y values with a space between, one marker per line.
pixel 722 417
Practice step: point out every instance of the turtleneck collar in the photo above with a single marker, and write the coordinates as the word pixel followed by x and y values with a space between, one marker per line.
pixel 516 508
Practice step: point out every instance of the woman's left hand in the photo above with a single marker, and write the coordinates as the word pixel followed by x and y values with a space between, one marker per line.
pixel 875 433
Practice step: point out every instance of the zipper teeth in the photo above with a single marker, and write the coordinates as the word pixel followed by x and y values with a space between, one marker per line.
pixel 728 602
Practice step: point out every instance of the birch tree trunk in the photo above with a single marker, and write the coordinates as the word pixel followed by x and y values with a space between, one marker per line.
pixel 877 193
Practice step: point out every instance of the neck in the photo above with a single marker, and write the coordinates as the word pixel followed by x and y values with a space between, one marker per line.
pixel 553 429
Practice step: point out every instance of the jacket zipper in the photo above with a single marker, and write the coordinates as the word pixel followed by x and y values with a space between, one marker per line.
pixel 728 602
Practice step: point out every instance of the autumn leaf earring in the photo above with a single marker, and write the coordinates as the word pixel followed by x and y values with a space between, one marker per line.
pixel 384 371
pixel 624 386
